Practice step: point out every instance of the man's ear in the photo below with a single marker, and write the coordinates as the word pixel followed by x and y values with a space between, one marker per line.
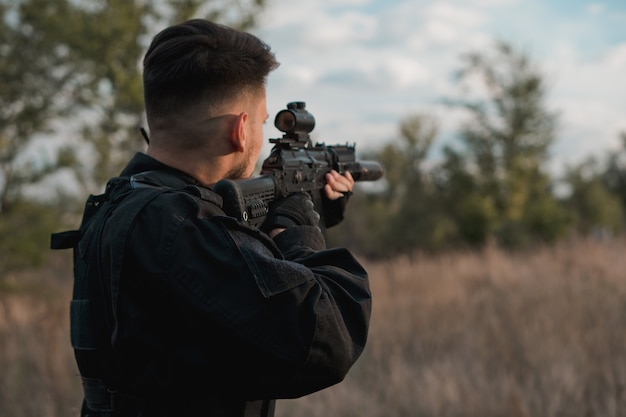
pixel 238 132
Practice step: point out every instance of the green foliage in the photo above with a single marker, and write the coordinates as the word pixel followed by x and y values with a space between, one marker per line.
pixel 412 216
pixel 25 234
pixel 498 177
pixel 474 216
pixel 594 207
pixel 79 62
pixel 402 217
pixel 105 43
pixel 615 174
pixel 471 212
pixel 364 227
pixel 76 65
pixel 546 220
pixel 492 185
pixel 34 82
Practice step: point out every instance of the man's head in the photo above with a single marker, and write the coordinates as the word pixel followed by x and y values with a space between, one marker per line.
pixel 204 83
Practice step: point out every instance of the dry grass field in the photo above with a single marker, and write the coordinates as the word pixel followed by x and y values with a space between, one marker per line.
pixel 486 333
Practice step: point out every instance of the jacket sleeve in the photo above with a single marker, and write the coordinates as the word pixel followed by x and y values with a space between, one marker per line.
pixel 341 300
pixel 274 319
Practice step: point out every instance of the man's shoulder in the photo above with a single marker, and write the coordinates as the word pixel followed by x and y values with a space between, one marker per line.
pixel 165 191
pixel 188 201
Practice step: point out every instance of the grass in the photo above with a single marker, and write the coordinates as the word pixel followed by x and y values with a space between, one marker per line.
pixel 38 376
pixel 489 333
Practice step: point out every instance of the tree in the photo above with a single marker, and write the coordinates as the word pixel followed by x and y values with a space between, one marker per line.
pixel 471 211
pixel 72 69
pixel 499 175
pixel 615 175
pixel 111 52
pixel 415 217
pixel 35 80
pixel 77 64
pixel 595 209
pixel 403 217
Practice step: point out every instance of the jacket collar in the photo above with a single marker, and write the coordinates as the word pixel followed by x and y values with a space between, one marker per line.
pixel 142 163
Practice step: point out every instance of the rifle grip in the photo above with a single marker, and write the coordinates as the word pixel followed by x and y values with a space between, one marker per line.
pixel 247 200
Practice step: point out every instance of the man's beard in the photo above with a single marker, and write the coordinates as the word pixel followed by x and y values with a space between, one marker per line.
pixel 238 172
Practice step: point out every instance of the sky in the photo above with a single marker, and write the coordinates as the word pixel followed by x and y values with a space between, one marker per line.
pixel 363 65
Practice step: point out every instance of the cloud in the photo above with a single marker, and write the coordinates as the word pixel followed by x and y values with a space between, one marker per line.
pixel 595 8
pixel 591 95
pixel 455 17
pixel 362 65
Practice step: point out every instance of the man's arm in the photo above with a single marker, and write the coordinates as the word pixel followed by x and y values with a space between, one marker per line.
pixel 268 318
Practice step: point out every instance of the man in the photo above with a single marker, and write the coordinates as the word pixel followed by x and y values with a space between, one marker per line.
pixel 180 310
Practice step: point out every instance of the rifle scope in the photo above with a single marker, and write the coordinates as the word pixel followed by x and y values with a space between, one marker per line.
pixel 295 119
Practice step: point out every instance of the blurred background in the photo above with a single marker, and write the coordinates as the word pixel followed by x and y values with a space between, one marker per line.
pixel 495 241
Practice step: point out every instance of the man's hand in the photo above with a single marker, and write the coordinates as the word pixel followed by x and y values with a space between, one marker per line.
pixel 295 210
pixel 337 190
pixel 338 185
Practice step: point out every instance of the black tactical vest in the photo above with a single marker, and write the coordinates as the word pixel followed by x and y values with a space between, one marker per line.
pixel 92 305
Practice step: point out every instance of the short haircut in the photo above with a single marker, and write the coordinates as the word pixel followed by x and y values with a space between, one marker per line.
pixel 201 61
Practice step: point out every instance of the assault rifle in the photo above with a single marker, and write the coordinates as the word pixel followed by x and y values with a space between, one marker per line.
pixel 294 165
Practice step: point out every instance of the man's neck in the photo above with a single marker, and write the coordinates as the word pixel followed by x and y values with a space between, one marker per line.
pixel 206 170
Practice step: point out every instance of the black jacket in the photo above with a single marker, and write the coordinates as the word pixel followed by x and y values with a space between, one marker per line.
pixel 209 313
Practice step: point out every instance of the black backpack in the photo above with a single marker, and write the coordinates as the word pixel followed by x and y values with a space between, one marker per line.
pixel 92 305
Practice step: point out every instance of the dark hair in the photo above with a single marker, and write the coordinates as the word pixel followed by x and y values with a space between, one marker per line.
pixel 200 60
